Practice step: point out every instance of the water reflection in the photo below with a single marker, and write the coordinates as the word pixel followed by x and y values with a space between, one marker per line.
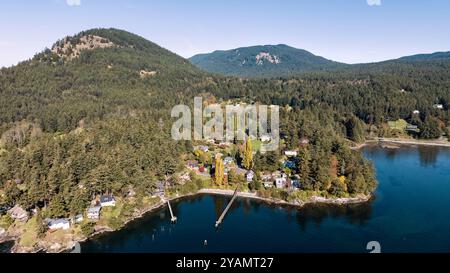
pixel 428 155
pixel 355 214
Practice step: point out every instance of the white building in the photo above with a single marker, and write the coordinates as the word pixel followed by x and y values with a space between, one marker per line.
pixel 280 182
pixel 291 153
pixel 55 224
pixel 94 213
pixel 438 106
pixel 107 201
pixel 250 174
pixel 416 112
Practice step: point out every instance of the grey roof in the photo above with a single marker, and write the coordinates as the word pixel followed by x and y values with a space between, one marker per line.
pixel 106 198
pixel 52 222
pixel 94 210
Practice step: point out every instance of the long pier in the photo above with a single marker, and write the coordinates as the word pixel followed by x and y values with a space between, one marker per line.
pixel 219 221
pixel 172 217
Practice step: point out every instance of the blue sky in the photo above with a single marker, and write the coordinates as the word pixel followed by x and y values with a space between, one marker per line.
pixel 349 31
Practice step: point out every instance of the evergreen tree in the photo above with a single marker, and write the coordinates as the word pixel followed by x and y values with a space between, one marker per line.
pixel 41 227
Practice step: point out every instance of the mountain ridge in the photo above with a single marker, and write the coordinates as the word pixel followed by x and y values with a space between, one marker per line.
pixel 300 61
pixel 262 60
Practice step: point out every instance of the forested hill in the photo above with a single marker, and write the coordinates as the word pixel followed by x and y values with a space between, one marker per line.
pixel 90 75
pixel 427 57
pixel 91 115
pixel 273 61
pixel 263 61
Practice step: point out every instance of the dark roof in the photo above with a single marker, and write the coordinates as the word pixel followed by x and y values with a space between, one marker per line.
pixel 106 198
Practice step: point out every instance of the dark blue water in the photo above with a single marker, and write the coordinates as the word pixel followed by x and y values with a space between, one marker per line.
pixel 410 213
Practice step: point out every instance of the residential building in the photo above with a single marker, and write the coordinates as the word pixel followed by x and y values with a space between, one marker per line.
pixel 107 201
pixel 93 213
pixel 280 182
pixel 249 175
pixel 18 213
pixel 291 153
pixel 54 224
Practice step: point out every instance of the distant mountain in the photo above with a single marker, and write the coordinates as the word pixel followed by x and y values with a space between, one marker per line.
pixel 427 57
pixel 263 61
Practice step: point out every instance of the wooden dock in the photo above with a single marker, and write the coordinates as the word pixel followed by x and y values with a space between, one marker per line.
pixel 220 220
pixel 172 217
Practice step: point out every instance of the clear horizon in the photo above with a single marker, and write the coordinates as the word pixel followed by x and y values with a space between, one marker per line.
pixel 353 31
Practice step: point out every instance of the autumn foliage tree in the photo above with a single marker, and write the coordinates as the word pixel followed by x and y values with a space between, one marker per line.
pixel 219 171
pixel 248 155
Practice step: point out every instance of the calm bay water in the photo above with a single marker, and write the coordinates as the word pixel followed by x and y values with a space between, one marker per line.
pixel 410 213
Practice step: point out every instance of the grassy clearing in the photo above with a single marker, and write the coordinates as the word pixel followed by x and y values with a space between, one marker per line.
pixel 399 125
pixel 29 235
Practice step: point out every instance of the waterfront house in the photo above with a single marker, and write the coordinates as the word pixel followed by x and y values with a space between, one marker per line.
pixel 295 183
pixel 93 213
pixel 412 128
pixel 289 164
pixel 160 189
pixel 249 175
pixel 107 201
pixel 54 224
pixel 280 182
pixel 291 153
pixel 18 213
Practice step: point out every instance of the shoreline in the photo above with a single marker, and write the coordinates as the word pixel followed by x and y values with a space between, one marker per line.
pixel 208 191
pixel 402 142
